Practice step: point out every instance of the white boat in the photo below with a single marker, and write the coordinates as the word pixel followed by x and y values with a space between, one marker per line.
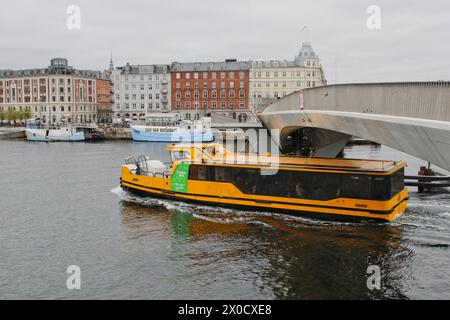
pixel 166 127
pixel 66 133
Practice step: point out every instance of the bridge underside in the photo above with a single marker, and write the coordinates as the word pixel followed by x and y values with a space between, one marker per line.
pixel 426 139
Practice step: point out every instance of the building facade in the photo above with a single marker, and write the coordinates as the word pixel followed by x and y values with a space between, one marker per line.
pixel 199 89
pixel 139 90
pixel 270 80
pixel 104 100
pixel 54 95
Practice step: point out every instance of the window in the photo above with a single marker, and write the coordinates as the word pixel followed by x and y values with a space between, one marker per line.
pixel 356 186
pixel 380 188
pixel 200 173
pixel 397 182
pixel 326 186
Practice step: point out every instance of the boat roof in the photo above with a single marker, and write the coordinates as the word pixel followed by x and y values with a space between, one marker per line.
pixel 293 162
pixel 309 164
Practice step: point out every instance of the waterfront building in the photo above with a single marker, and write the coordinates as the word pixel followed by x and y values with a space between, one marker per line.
pixel 202 88
pixel 56 94
pixel 139 90
pixel 104 101
pixel 274 79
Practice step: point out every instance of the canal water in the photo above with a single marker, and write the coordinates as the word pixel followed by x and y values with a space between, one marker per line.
pixel 61 205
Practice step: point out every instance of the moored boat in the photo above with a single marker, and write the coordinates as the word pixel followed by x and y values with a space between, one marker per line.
pixel 342 189
pixel 167 128
pixel 62 134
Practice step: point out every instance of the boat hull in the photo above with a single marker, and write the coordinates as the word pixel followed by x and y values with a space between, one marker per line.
pixel 157 189
pixel 40 135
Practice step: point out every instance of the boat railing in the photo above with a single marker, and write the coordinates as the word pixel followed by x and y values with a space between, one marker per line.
pixel 142 164
pixel 131 160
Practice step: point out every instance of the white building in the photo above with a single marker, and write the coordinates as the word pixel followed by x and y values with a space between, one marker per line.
pixel 57 94
pixel 270 80
pixel 139 90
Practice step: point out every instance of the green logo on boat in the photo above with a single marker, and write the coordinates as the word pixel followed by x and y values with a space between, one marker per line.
pixel 180 178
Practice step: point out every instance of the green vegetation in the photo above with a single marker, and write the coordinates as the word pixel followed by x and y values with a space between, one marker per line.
pixel 14 116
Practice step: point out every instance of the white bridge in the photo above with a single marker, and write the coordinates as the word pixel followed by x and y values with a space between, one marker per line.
pixel 412 117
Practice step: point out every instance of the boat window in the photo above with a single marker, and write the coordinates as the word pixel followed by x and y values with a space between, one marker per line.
pixel 223 174
pixel 397 182
pixel 326 186
pixel 381 189
pixel 204 173
pixel 247 180
pixel 302 184
pixel 180 155
pixel 356 186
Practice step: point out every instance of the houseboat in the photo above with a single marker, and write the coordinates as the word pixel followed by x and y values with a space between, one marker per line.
pixel 331 189
pixel 60 134
pixel 167 127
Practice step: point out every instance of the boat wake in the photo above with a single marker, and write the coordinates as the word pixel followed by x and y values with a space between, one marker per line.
pixel 226 215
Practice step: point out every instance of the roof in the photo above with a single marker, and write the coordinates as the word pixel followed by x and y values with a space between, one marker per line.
pixel 144 69
pixel 316 164
pixel 229 65
pixel 58 66
pixel 306 52
pixel 296 163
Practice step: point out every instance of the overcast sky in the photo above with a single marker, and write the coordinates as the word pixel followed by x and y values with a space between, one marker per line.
pixel 413 43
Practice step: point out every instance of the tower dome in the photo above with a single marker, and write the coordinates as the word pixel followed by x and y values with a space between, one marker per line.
pixel 306 52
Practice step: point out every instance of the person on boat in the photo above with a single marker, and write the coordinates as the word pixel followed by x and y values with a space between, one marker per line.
pixel 299 191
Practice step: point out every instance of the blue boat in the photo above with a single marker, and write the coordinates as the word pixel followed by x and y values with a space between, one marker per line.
pixel 166 128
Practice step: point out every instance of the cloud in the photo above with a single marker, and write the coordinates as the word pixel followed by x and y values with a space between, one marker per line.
pixel 411 45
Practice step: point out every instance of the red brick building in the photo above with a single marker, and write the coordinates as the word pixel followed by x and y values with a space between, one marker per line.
pixel 104 101
pixel 202 88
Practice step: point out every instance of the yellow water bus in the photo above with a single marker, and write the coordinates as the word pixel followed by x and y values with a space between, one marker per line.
pixel 342 189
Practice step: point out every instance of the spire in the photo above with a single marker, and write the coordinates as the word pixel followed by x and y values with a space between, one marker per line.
pixel 111 64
